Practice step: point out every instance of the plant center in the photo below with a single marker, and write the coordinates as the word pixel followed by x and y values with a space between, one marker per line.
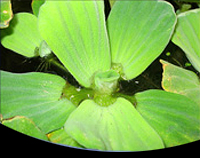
pixel 105 84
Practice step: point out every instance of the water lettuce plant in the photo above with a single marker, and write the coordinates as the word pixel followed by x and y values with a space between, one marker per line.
pixel 98 53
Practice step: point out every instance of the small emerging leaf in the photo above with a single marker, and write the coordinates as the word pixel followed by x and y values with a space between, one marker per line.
pixel 25 126
pixel 44 49
pixel 174 117
pixel 116 127
pixel 106 82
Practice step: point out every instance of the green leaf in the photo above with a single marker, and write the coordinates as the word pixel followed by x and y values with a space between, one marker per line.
pixel 36 4
pixel 116 127
pixel 22 36
pixel 6 13
pixel 187 35
pixel 181 81
pixel 61 137
pixel 25 126
pixel 44 49
pixel 175 117
pixel 36 96
pixel 139 31
pixel 76 33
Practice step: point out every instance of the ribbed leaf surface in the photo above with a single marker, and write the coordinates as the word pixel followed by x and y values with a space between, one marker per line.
pixel 187 35
pixel 36 96
pixel 76 33
pixel 139 31
pixel 115 127
pixel 175 117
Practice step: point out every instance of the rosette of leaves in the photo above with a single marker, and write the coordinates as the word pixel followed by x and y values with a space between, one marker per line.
pixel 98 54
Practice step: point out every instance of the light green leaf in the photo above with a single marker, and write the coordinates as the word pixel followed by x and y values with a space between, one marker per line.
pixel 22 36
pixel 61 137
pixel 6 13
pixel 116 127
pixel 44 49
pixel 36 4
pixel 76 32
pixel 36 96
pixel 187 35
pixel 139 31
pixel 25 126
pixel 175 117
pixel 181 81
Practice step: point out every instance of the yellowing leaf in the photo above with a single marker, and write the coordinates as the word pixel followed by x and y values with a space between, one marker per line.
pixel 25 126
pixel 6 13
pixel 181 81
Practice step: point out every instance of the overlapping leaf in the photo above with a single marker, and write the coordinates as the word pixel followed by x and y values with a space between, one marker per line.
pixel 139 31
pixel 36 96
pixel 76 33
